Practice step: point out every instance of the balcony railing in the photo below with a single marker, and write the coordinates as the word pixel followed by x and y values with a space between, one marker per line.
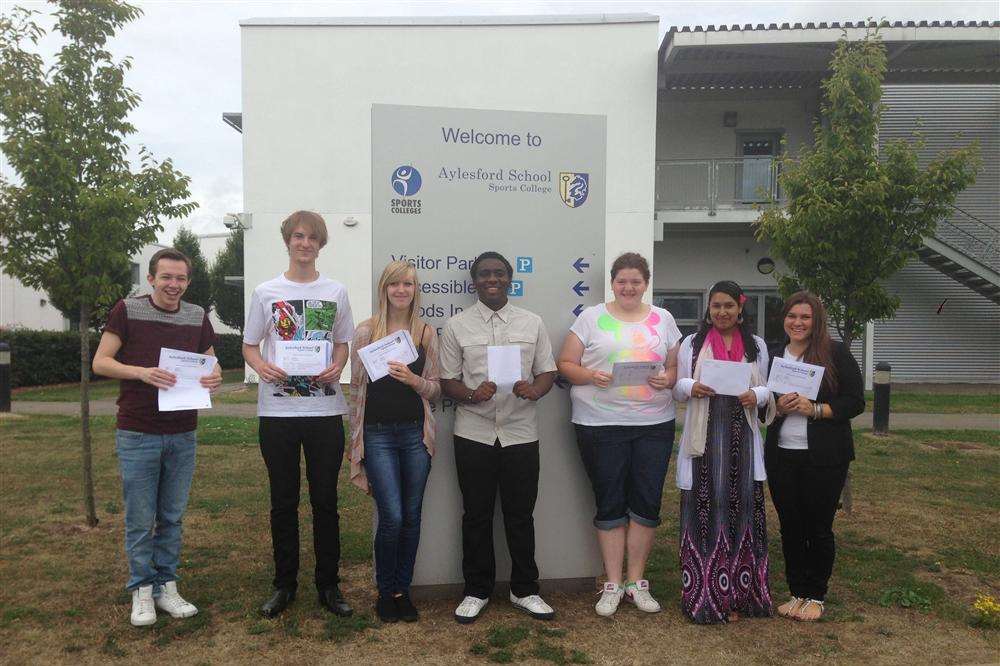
pixel 714 184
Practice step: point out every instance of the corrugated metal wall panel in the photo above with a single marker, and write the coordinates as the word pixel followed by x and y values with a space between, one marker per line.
pixel 948 116
pixel 961 343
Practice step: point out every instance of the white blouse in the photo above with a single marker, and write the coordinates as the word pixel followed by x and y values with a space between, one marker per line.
pixel 682 393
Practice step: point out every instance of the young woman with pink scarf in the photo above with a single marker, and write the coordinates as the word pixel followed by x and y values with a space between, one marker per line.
pixel 720 469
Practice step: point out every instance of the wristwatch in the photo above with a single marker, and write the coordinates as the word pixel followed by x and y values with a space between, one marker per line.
pixel 468 398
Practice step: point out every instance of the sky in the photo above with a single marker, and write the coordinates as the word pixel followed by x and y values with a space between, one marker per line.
pixel 186 63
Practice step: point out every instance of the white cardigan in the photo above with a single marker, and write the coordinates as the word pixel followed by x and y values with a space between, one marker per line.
pixel 682 393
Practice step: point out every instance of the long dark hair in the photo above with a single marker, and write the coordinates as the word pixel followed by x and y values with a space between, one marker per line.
pixel 819 350
pixel 744 324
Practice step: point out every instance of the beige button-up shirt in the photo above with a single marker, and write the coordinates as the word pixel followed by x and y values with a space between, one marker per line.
pixel 463 356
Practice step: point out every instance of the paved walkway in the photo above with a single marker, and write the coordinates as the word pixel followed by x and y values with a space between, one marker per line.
pixel 896 421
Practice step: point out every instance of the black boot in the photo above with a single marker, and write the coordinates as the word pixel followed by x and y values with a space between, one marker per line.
pixel 332 600
pixel 277 603
pixel 407 611
pixel 385 608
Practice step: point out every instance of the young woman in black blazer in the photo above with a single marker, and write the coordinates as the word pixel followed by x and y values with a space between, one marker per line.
pixel 807 453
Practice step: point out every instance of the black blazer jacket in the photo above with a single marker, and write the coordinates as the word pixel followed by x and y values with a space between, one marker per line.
pixel 831 442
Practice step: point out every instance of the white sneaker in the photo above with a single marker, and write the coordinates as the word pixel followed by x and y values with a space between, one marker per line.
pixel 533 606
pixel 611 596
pixel 143 611
pixel 173 603
pixel 639 595
pixel 469 609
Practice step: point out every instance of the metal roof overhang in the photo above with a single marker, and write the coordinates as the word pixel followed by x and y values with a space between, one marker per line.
pixel 798 56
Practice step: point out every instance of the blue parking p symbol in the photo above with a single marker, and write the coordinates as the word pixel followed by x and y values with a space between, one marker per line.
pixel 525 265
pixel 516 288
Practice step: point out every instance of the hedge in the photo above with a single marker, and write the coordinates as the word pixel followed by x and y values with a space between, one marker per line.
pixel 53 357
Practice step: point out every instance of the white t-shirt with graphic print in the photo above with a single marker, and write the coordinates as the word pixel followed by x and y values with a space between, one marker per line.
pixel 607 340
pixel 284 310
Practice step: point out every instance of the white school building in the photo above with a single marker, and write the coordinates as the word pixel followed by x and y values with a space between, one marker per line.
pixel 533 135
pixel 694 123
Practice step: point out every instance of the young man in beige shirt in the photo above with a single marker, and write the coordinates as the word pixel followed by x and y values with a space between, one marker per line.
pixel 496 436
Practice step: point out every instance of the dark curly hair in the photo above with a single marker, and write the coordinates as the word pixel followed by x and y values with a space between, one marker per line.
pixel 491 255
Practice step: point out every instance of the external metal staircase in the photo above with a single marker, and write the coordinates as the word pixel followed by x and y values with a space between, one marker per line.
pixel 968 251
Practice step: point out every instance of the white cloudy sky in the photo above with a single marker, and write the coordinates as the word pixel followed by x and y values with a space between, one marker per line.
pixel 187 62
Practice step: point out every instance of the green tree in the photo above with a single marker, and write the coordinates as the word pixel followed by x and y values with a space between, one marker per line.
pixel 855 217
pixel 199 289
pixel 228 298
pixel 79 209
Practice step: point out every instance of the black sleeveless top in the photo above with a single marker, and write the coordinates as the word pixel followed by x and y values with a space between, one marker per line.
pixel 391 401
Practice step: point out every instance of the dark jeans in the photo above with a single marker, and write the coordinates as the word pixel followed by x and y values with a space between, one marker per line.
pixel 322 440
pixel 482 469
pixel 397 464
pixel 626 466
pixel 805 497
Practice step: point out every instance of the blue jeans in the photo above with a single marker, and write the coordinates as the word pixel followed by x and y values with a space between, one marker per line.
pixel 397 464
pixel 626 466
pixel 156 477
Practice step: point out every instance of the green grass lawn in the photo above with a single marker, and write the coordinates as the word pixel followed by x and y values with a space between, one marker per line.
pixel 903 402
pixel 920 544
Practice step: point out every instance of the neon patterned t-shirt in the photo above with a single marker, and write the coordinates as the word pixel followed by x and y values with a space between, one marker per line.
pixel 607 341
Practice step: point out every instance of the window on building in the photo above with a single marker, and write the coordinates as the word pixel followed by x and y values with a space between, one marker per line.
pixel 764 309
pixel 686 307
pixel 135 273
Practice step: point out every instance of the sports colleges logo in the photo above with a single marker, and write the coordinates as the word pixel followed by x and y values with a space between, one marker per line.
pixel 573 188
pixel 406 181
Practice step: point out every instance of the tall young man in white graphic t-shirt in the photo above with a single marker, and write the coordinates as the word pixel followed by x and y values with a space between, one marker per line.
pixel 301 412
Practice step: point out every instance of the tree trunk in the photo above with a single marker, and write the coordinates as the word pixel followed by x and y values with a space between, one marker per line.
pixel 88 467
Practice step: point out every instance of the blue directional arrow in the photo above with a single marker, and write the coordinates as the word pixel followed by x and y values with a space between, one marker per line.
pixel 580 264
pixel 562 382
pixel 580 287
pixel 578 309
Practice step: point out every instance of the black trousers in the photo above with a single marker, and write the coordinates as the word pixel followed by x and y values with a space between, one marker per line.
pixel 322 440
pixel 482 470
pixel 805 497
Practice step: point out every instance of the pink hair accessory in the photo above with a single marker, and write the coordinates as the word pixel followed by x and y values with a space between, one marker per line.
pixel 743 299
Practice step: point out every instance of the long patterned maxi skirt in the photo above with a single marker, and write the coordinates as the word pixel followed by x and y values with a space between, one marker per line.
pixel 723 545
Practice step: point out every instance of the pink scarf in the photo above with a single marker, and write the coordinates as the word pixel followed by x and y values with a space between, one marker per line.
pixel 714 338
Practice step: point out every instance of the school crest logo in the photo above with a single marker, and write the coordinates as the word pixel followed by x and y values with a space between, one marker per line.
pixel 573 188
pixel 406 181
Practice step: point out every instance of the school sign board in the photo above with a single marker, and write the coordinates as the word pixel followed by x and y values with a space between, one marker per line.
pixel 448 184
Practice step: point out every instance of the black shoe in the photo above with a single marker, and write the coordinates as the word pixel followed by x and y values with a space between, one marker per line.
pixel 385 608
pixel 277 603
pixel 332 600
pixel 405 608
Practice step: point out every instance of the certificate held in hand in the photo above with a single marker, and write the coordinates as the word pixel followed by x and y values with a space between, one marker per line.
pixel 503 366
pixel 726 377
pixel 302 358
pixel 795 377
pixel 393 347
pixel 188 368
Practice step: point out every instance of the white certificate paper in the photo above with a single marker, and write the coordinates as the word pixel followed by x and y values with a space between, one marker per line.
pixel 634 373
pixel 503 364
pixel 795 377
pixel 187 393
pixel 726 377
pixel 393 347
pixel 302 358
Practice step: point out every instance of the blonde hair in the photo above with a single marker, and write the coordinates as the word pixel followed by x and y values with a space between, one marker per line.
pixel 396 271
pixel 312 222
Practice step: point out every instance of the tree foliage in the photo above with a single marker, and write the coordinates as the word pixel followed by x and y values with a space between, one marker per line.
pixel 228 298
pixel 199 289
pixel 79 209
pixel 855 217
